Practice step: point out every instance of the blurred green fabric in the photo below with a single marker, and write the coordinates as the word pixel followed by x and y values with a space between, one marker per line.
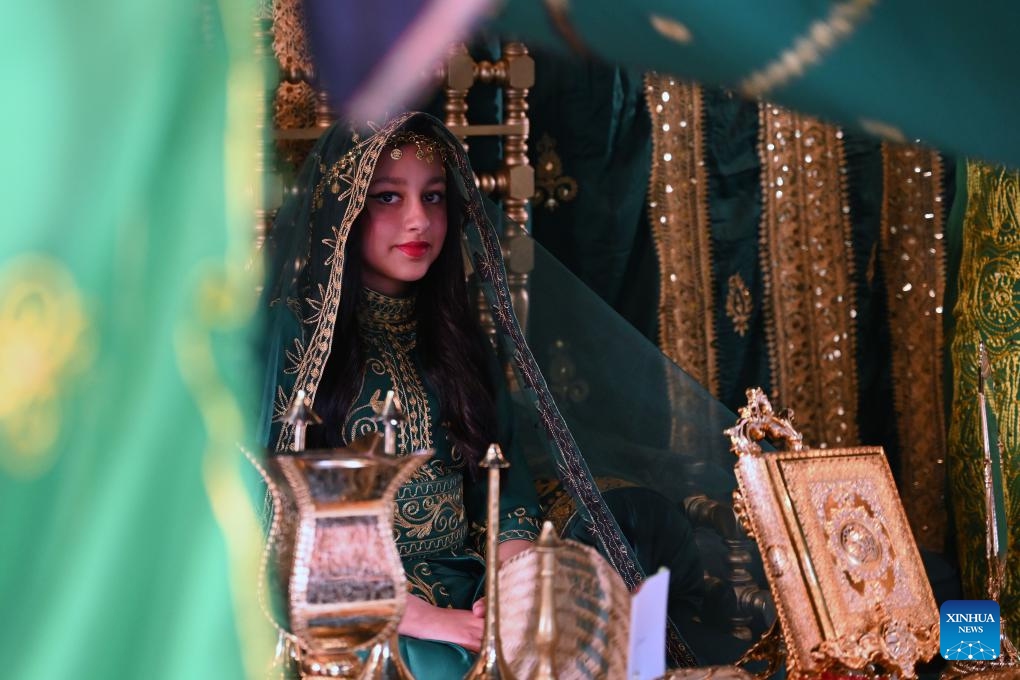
pixel 128 542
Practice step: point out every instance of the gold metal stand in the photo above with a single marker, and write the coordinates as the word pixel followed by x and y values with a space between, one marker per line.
pixel 545 639
pixel 385 663
pixel 490 664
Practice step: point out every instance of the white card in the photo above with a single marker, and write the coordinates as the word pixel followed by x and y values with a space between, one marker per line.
pixel 646 659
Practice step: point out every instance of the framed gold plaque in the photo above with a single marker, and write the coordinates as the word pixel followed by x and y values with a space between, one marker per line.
pixel 842 564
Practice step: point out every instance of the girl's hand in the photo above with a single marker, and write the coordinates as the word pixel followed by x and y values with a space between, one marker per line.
pixel 429 622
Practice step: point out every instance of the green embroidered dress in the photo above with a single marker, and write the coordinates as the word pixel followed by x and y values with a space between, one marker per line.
pixel 440 513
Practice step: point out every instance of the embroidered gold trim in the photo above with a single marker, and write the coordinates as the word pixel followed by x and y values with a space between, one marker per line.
pixel 678 210
pixel 807 265
pixel 382 311
pixel 988 308
pixel 808 49
pixel 739 303
pixel 521 534
pixel 913 260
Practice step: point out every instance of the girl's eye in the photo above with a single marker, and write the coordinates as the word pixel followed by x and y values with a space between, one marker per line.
pixel 385 197
pixel 434 197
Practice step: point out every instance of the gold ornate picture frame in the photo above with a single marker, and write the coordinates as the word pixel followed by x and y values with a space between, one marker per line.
pixel 838 553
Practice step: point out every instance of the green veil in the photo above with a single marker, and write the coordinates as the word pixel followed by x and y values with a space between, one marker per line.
pixel 618 438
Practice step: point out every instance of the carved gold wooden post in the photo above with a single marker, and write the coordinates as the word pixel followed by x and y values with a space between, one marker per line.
pixel 460 76
pixel 518 249
pixel 300 112
pixel 514 181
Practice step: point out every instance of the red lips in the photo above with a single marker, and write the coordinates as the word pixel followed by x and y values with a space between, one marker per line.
pixel 414 249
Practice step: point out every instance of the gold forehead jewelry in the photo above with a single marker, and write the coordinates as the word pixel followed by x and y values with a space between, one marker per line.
pixel 426 147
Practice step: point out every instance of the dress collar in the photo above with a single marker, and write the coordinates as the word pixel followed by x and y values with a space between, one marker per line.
pixel 377 310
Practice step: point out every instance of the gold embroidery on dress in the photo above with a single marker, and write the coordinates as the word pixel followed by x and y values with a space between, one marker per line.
pixel 738 303
pixel 807 266
pixel 553 187
pixel 420 582
pixel 434 513
pixel 315 304
pixel 526 526
pixel 429 515
pixel 387 325
pixel 913 261
pixel 678 209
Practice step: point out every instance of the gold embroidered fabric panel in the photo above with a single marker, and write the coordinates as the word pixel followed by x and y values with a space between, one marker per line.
pixel 988 308
pixel 429 515
pixel 913 260
pixel 807 263
pixel 678 209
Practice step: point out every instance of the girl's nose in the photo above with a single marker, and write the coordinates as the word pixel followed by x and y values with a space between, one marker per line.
pixel 415 217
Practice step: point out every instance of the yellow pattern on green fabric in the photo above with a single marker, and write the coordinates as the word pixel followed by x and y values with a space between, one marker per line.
pixel 45 342
pixel 988 309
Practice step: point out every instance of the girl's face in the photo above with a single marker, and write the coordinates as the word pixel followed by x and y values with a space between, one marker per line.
pixel 403 222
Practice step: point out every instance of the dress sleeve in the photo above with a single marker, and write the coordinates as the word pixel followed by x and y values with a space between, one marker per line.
pixel 519 510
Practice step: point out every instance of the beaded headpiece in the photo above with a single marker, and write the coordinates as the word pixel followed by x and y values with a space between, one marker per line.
pixel 426 147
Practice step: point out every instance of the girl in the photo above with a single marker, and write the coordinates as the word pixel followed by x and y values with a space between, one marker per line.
pixel 381 301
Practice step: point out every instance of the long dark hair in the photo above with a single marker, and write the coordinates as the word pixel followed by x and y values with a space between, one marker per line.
pixel 450 346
